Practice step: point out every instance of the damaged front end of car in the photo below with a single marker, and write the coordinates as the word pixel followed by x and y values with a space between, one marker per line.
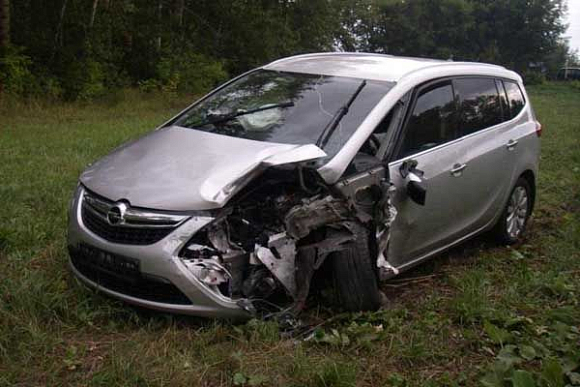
pixel 276 232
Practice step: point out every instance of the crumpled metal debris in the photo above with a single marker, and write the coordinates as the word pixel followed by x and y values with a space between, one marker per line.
pixel 279 257
pixel 313 214
pixel 389 213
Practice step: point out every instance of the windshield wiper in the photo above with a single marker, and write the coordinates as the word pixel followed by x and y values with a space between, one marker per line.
pixel 231 116
pixel 335 121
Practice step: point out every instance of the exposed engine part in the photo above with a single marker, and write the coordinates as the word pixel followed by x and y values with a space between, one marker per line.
pixel 259 211
pixel 315 213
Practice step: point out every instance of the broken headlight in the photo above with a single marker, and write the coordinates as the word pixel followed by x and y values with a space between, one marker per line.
pixel 209 272
pixel 215 260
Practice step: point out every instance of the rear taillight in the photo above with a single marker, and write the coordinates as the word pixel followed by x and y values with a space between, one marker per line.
pixel 538 129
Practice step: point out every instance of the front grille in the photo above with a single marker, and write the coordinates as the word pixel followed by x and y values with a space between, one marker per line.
pixel 118 234
pixel 141 227
pixel 122 275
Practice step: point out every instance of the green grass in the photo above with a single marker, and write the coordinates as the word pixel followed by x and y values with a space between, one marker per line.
pixel 480 314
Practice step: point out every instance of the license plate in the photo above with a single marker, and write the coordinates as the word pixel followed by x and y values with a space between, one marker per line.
pixel 127 268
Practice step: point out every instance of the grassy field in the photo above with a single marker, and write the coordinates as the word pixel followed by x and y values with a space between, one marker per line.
pixel 479 315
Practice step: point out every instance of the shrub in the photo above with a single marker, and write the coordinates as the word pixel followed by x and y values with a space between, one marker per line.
pixel 84 79
pixel 15 74
pixel 190 73
pixel 149 85
pixel 534 78
pixel 51 87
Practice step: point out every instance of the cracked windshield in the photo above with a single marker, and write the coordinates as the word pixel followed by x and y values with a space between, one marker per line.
pixel 283 107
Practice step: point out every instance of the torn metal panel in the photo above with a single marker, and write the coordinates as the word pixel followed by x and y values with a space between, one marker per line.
pixel 219 187
pixel 334 241
pixel 371 195
pixel 305 266
pixel 386 270
pixel 388 213
pixel 364 190
pixel 279 257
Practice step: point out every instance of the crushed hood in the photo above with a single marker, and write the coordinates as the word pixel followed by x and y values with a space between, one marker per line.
pixel 181 169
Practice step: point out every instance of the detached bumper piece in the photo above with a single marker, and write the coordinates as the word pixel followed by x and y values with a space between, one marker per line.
pixel 122 275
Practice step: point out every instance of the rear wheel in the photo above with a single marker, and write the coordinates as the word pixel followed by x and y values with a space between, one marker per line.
pixel 354 275
pixel 512 223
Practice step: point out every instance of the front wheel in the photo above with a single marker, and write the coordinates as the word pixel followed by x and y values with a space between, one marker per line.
pixel 512 223
pixel 354 275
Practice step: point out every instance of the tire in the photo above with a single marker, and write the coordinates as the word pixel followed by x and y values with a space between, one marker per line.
pixel 507 229
pixel 354 277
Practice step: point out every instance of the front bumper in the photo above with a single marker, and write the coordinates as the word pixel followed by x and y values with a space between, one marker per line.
pixel 159 261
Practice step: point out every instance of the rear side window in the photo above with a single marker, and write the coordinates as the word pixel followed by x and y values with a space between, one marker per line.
pixel 433 120
pixel 515 98
pixel 479 104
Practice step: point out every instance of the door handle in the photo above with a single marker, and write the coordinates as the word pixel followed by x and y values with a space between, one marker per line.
pixel 511 144
pixel 457 169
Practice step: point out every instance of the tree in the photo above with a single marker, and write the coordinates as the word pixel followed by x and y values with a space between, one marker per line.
pixel 87 46
pixel 4 24
pixel 93 14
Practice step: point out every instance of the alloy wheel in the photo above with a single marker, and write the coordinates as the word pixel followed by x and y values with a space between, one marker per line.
pixel 517 212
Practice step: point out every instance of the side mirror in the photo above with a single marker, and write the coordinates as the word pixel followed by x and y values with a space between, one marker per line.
pixel 409 166
pixel 417 191
pixel 406 167
pixel 415 187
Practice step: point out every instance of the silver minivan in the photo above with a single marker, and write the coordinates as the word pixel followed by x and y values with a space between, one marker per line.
pixel 338 168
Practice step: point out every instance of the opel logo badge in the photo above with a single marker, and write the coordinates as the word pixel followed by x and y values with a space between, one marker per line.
pixel 116 214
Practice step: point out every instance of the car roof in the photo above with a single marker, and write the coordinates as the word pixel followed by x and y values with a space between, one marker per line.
pixel 370 66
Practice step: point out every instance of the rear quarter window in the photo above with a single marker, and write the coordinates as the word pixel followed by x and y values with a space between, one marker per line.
pixel 515 98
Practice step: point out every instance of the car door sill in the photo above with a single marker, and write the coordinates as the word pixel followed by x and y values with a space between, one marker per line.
pixel 415 262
